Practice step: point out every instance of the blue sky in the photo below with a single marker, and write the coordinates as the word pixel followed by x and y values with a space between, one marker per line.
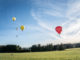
pixel 40 17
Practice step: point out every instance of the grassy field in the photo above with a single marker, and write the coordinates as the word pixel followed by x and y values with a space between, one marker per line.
pixel 69 54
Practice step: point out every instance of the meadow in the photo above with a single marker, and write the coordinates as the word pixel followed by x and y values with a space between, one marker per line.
pixel 68 54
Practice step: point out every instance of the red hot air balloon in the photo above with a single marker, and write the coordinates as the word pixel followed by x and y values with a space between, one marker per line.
pixel 58 29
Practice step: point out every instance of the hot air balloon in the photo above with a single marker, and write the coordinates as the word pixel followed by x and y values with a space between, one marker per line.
pixel 16 36
pixel 58 29
pixel 13 18
pixel 17 28
pixel 22 27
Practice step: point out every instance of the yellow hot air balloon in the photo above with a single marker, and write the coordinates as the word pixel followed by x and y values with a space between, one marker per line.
pixel 14 18
pixel 22 27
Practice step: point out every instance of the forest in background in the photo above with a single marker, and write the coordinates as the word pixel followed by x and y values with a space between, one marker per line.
pixel 38 47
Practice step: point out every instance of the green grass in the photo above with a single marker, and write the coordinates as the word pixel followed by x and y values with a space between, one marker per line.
pixel 69 54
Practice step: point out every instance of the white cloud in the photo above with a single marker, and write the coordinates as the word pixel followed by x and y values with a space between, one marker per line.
pixel 71 27
pixel 47 28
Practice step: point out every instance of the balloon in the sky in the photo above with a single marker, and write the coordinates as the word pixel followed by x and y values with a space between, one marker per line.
pixel 16 35
pixel 13 18
pixel 22 27
pixel 16 28
pixel 58 29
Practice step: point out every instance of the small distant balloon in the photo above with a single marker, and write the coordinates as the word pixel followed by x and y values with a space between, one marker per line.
pixel 16 35
pixel 22 27
pixel 16 28
pixel 58 29
pixel 13 18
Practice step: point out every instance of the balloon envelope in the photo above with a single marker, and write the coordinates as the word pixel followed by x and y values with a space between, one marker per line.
pixel 14 18
pixel 58 29
pixel 22 27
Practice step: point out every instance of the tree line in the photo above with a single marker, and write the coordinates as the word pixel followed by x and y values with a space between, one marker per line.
pixel 37 48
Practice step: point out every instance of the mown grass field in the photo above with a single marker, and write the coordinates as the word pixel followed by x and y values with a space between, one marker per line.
pixel 69 54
